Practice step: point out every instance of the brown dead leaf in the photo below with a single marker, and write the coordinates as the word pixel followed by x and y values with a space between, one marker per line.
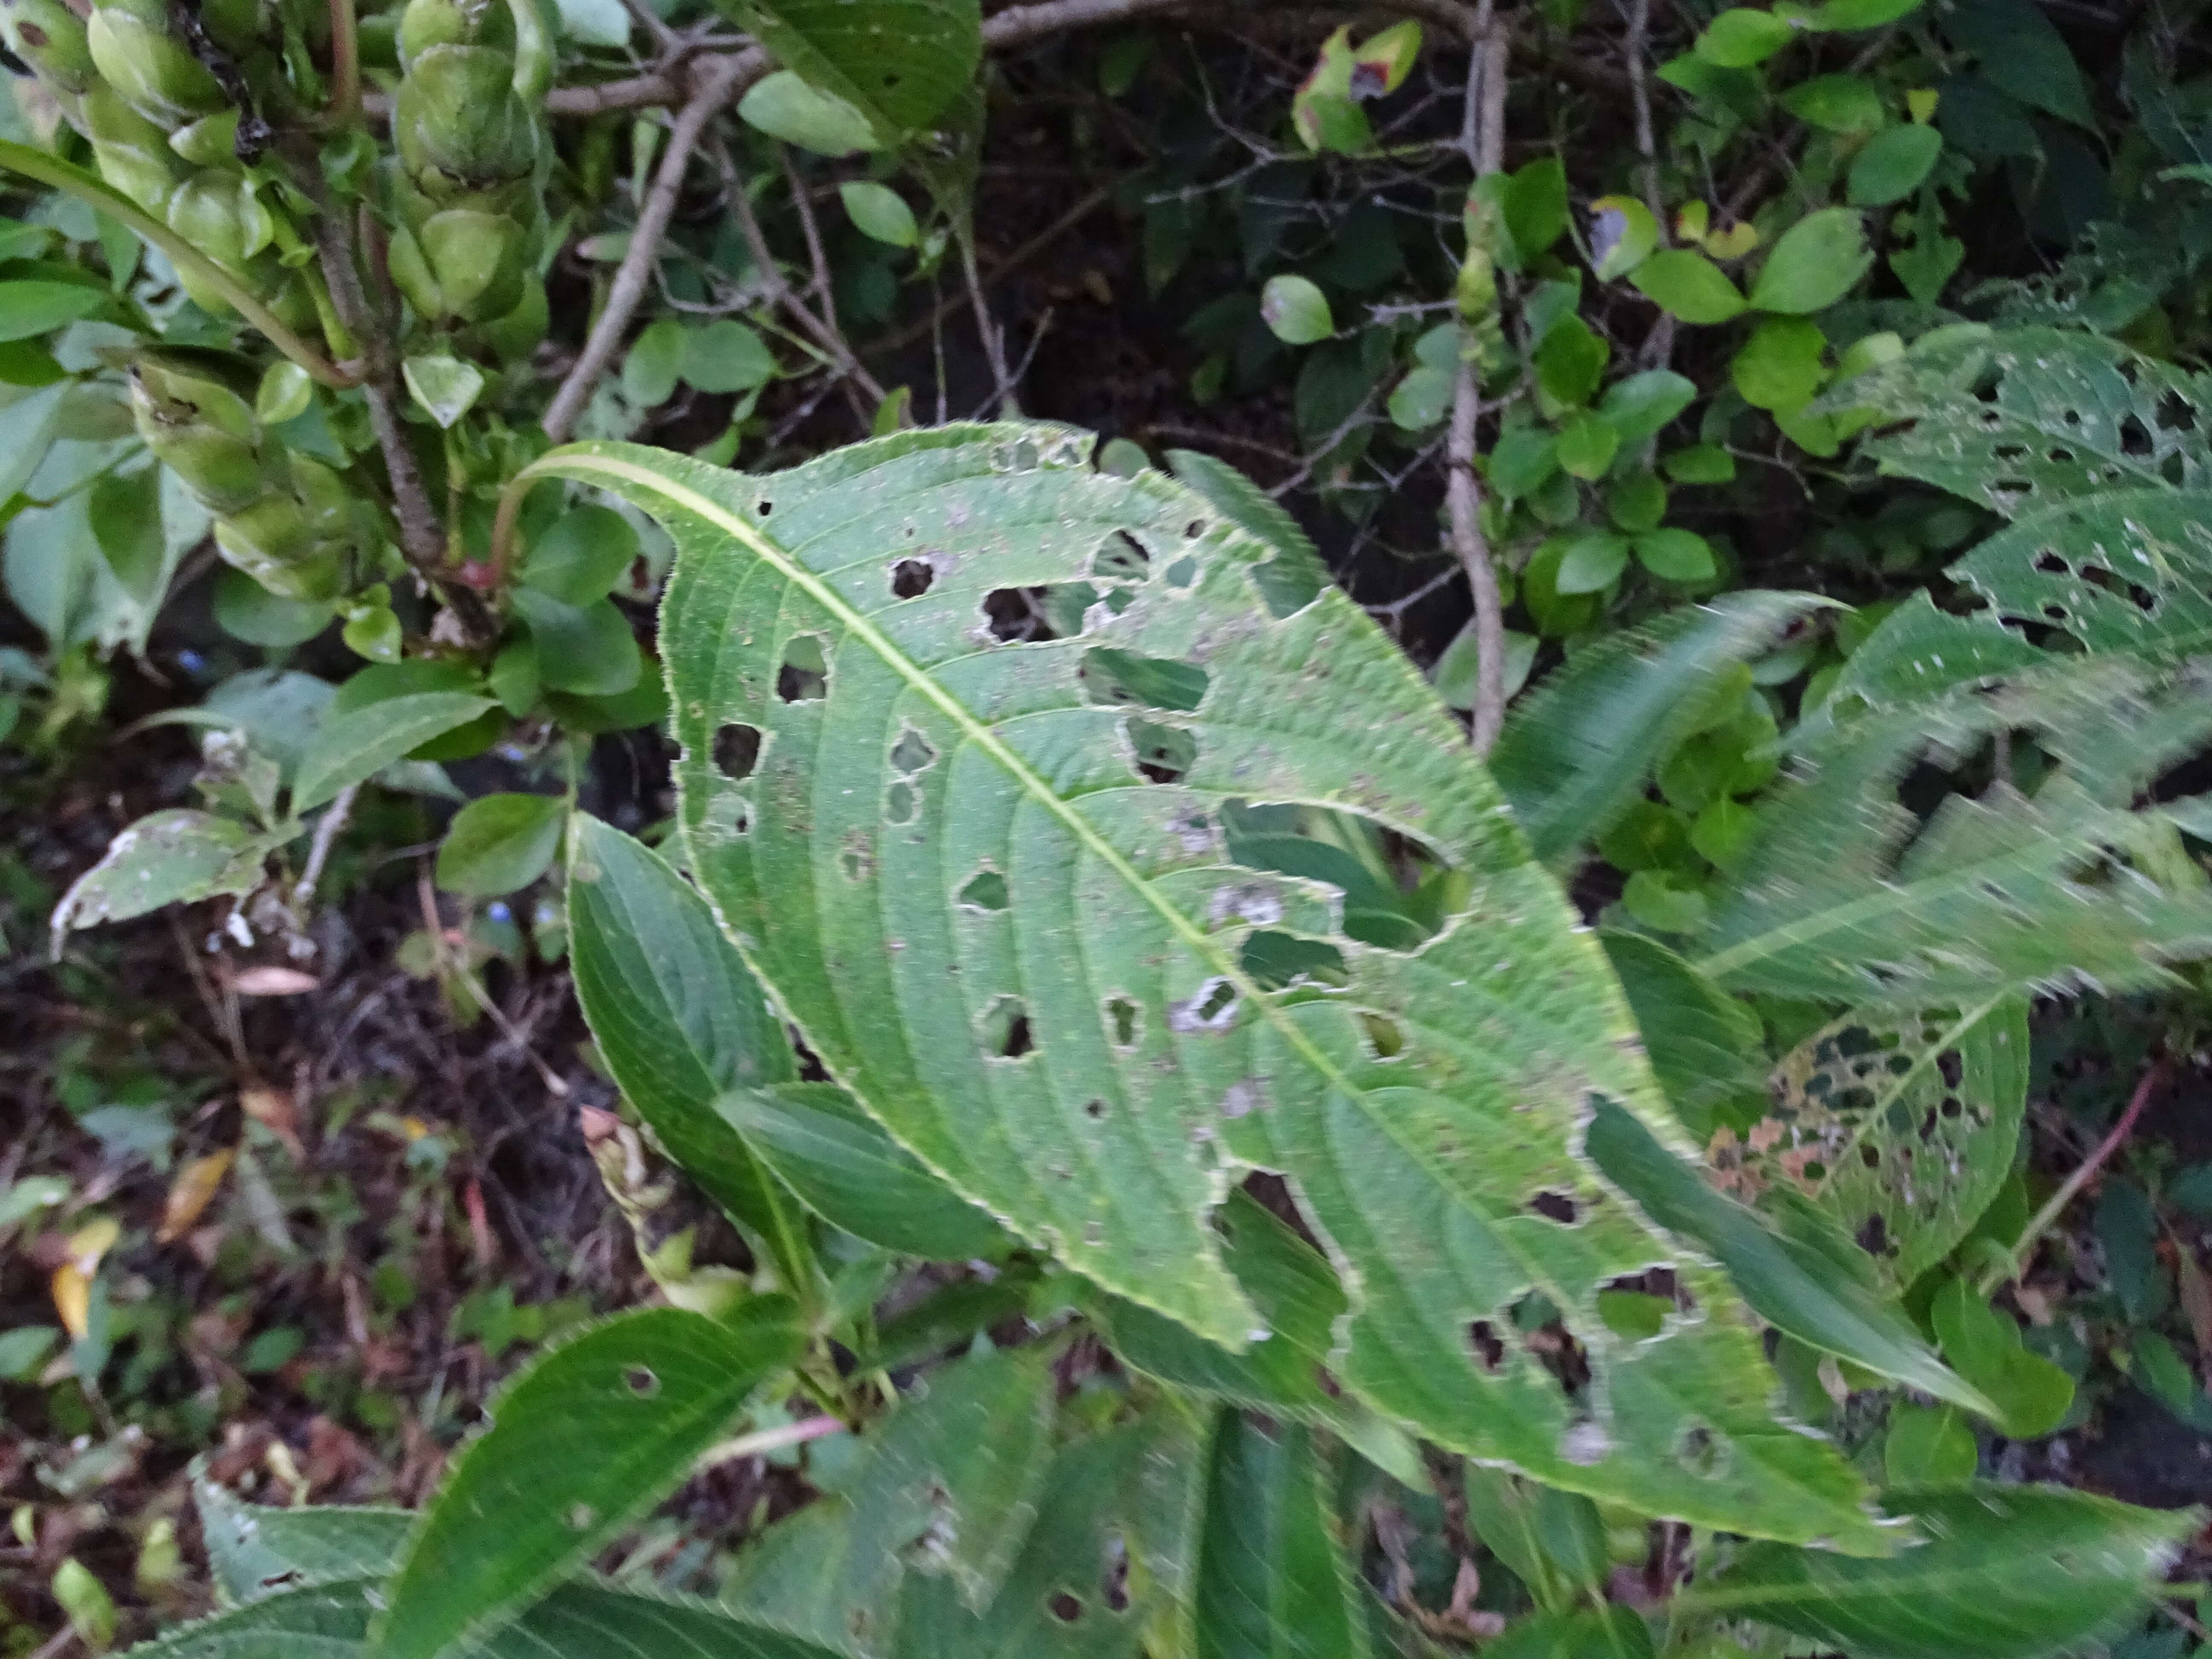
pixel 1764 1134
pixel 273 1110
pixel 191 1192
pixel 269 980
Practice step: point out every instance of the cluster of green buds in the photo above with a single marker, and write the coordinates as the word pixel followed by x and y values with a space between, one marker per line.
pixel 467 124
pixel 287 521
pixel 170 132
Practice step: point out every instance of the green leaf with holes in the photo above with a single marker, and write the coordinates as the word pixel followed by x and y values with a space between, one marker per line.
pixel 1901 1126
pixel 175 857
pixel 2005 1573
pixel 858 755
pixel 579 1444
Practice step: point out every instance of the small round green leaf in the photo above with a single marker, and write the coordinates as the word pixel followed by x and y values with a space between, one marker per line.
pixel 1818 261
pixel 1740 37
pixel 445 388
pixel 649 372
pixel 1591 562
pixel 1588 444
pixel 500 843
pixel 879 211
pixel 725 356
pixel 1622 235
pixel 1676 555
pixel 1296 311
pixel 285 392
pixel 1422 399
pixel 785 106
pixel 247 611
pixel 1689 286
pixel 1893 165
pixel 1779 366
pixel 1637 503
pixel 1837 103
pixel 581 555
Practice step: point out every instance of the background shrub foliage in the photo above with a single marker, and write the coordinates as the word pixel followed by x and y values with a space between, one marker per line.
pixel 1149 1047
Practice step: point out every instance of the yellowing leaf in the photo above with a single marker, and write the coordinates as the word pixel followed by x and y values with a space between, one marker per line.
pixel 72 1294
pixel 191 1192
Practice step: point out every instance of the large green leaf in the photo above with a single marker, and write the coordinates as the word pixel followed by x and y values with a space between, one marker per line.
pixel 900 62
pixel 331 1621
pixel 1579 749
pixel 997 897
pixel 1271 1581
pixel 1810 1281
pixel 1846 895
pixel 362 742
pixel 592 1433
pixel 2007 1572
pixel 1705 1047
pixel 848 1171
pixel 949 1486
pixel 1901 1126
pixel 2023 419
pixel 257 1551
pixel 681 1021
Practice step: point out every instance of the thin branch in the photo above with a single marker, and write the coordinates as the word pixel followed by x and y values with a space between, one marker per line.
pixel 768 1440
pixel 986 329
pixel 825 283
pixel 318 850
pixel 2016 1258
pixel 420 535
pixel 1484 127
pixel 1659 344
pixel 779 293
pixel 1020 257
pixel 722 80
pixel 345 64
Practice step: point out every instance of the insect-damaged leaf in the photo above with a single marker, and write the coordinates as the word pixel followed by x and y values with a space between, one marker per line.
pixel 1001 897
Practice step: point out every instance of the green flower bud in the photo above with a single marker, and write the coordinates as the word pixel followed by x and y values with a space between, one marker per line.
pixel 152 71
pixel 273 542
pixel 50 37
pixel 428 23
pixel 133 154
pixel 411 274
pixel 201 431
pixel 458 126
pixel 219 214
pixel 209 141
pixel 238 26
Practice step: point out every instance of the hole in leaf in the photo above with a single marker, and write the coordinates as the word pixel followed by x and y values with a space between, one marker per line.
pixel 1194 529
pixel 1210 1010
pixel 1113 678
pixel 1181 574
pixel 1950 1108
pixel 2135 437
pixel 1700 1451
pixel 910 578
pixel 1006 1029
pixel 1871 1157
pixel 1273 960
pixel 763 508
pixel 1489 1347
pixel 1874 1235
pixel 1397 892
pixel 1121 557
pixel 900 801
pixel 1164 754
pixel 1951 1066
pixel 2175 414
pixel 737 751
pixel 986 890
pixel 1114 1574
pixel 2052 564
pixel 1017 615
pixel 1065 1606
pixel 1094 1109
pixel 912 752
pixel 805 675
pixel 580 1517
pixel 640 1382
pixel 1385 1037
pixel 1555 1207
pixel 1126 1018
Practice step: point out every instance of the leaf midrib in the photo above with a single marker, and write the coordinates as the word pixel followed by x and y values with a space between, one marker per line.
pixel 980 734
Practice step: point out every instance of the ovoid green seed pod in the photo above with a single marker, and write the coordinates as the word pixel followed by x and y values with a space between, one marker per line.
pixel 201 431
pixel 50 37
pixel 150 69
pixel 458 126
pixel 427 23
pixel 273 542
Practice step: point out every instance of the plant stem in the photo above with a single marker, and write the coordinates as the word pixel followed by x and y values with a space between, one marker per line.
pixel 769 1440
pixel 52 170
pixel 2152 1079
pixel 345 64
pixel 1483 136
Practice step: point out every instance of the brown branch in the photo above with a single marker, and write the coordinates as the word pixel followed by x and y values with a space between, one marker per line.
pixel 781 295
pixel 720 80
pixel 1020 257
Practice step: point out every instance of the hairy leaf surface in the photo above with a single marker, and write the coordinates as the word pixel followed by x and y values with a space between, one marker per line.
pixel 990 874
pixel 2006 1571
pixel 587 1437
pixel 2023 419
pixel 1848 896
